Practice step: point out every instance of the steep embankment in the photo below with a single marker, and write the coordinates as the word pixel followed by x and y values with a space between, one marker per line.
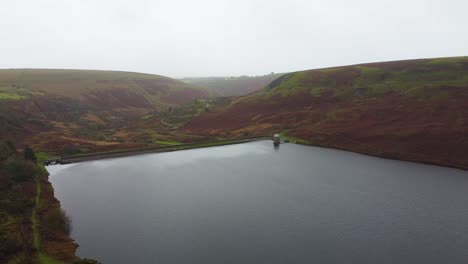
pixel 75 110
pixel 233 86
pixel 33 228
pixel 412 110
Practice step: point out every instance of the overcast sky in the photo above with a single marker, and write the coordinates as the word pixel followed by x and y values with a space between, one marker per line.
pixel 181 38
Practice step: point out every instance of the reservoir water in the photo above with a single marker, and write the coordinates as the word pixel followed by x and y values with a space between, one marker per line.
pixel 251 203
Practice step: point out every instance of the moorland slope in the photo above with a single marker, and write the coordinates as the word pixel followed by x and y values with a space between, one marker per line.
pixel 412 110
pixel 79 110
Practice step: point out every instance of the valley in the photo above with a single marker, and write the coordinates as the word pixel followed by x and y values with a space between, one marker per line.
pixel 413 110
pixel 233 86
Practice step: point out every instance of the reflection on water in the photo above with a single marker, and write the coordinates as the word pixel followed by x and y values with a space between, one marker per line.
pixel 251 203
pixel 276 147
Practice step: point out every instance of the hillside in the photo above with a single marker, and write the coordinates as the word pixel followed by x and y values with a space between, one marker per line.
pixel 233 86
pixel 102 89
pixel 81 110
pixel 33 228
pixel 412 110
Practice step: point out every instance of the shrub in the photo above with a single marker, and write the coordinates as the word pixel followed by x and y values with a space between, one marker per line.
pixel 8 246
pixel 20 170
pixel 17 206
pixel 29 154
pixel 57 220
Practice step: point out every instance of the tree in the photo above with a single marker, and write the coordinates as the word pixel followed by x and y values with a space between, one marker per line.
pixel 20 170
pixel 10 145
pixel 29 154
pixel 57 220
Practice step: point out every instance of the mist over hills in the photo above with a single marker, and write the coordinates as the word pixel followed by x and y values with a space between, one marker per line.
pixel 233 86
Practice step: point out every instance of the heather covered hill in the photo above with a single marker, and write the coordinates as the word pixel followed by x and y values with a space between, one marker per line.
pixel 412 110
pixel 102 89
pixel 86 110
pixel 233 86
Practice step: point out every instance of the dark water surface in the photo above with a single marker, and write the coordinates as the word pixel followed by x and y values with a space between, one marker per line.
pixel 248 203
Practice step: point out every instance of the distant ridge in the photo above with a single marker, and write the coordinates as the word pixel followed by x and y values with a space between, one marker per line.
pixel 233 86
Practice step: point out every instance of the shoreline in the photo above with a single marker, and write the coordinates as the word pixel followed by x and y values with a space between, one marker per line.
pixel 161 149
pixel 148 150
pixel 390 156
pixel 67 245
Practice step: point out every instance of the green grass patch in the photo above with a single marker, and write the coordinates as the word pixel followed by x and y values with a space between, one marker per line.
pixel 41 156
pixel 44 259
pixel 10 96
pixel 442 61
pixel 167 143
pixel 368 70
pixel 291 85
pixel 293 139
pixel 146 117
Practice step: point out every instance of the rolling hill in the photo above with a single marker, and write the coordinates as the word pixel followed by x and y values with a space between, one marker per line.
pixel 80 110
pixel 103 89
pixel 412 110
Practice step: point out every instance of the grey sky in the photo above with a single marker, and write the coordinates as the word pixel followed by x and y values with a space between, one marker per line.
pixel 219 37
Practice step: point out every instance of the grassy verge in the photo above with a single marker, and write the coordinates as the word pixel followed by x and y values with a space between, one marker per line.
pixel 10 96
pixel 44 259
pixel 168 143
pixel 34 217
pixel 292 139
